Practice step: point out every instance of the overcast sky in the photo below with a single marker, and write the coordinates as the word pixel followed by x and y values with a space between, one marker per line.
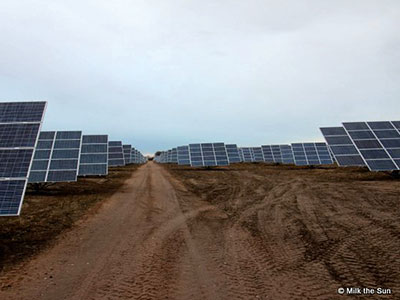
pixel 163 73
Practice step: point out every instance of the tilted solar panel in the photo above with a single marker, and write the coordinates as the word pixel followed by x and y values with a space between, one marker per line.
pixel 20 124
pixel 299 154
pixel 42 156
pixel 174 156
pixel 94 155
pixel 377 142
pixel 311 154
pixel 258 154
pixel 115 154
pixel 183 155
pixel 209 159
pixel 169 156
pixel 247 154
pixel 323 153
pixel 134 158
pixel 267 153
pixel 286 154
pixel 196 156
pixel 241 154
pixel 127 153
pixel 233 153
pixel 56 157
pixel 21 112
pixel 276 153
pixel 342 147
pixel 221 156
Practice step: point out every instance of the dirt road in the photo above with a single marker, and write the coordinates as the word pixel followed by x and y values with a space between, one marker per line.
pixel 158 238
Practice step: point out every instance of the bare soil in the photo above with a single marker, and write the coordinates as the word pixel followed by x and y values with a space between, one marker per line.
pixel 48 212
pixel 248 231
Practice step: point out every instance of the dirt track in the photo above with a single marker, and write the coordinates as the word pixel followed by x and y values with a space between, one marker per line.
pixel 248 232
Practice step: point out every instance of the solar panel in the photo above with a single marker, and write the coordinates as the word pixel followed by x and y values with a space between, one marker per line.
pixel 342 147
pixel 311 154
pixel 183 155
pixel 20 123
pixel 267 153
pixel 127 153
pixel 94 155
pixel 233 153
pixel 377 142
pixel 196 156
pixel 162 157
pixel 115 154
pixel 169 156
pixel 134 158
pixel 299 154
pixel 241 154
pixel 21 112
pixel 276 153
pixel 209 159
pixel 221 156
pixel 247 154
pixel 56 157
pixel 323 153
pixel 174 156
pixel 258 154
pixel 286 154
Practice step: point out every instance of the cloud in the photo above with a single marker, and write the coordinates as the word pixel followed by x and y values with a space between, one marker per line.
pixel 162 73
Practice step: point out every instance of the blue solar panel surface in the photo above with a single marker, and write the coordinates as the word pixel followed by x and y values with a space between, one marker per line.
pixel 56 157
pixel 183 155
pixel 311 154
pixel 247 154
pixel 115 154
pixel 233 153
pixel 20 124
pixel 127 153
pixel 94 155
pixel 221 156
pixel 342 147
pixel 267 153
pixel 17 112
pixel 377 142
pixel 258 155
pixel 196 156
pixel 286 154
pixel 174 156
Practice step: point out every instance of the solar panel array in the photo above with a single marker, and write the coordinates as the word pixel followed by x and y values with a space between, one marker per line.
pixel 377 142
pixel 28 155
pixel 20 124
pixel 197 155
pixel 94 155
pixel 373 144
